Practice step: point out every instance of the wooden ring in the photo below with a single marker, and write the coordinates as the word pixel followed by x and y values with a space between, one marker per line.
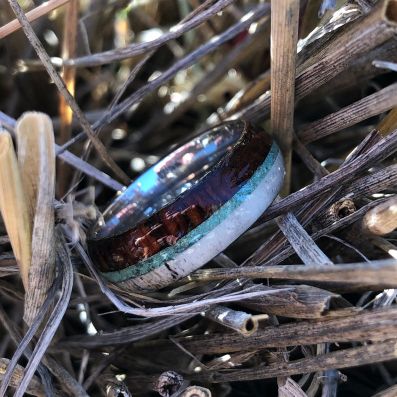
pixel 186 209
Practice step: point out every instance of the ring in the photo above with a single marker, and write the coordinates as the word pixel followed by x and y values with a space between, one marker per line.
pixel 186 209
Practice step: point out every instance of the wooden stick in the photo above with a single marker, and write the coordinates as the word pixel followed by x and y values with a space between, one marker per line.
pixel 296 301
pixel 375 182
pixel 300 240
pixel 242 322
pixel 32 15
pixel 13 206
pixel 284 38
pixel 382 219
pixel 345 358
pixel 353 75
pixel 363 109
pixel 277 258
pixel 382 272
pixel 375 325
pixel 36 157
pixel 69 76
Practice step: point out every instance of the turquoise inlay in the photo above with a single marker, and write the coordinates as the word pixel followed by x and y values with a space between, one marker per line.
pixel 196 234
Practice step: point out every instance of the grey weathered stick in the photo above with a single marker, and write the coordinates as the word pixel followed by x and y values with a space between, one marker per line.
pixel 36 158
pixel 310 254
pixel 361 70
pixel 340 224
pixel 382 219
pixel 383 272
pixel 127 334
pixel 284 38
pixel 363 109
pixel 89 170
pixel 240 321
pixel 345 358
pixel 376 325
pixel 378 181
pixel 300 240
pixel 300 301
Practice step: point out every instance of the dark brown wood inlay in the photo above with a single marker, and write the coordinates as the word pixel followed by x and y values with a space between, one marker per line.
pixel 165 227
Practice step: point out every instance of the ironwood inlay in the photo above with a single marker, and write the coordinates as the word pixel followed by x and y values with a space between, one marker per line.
pixel 165 227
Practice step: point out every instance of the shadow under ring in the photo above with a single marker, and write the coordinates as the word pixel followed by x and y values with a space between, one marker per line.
pixel 186 209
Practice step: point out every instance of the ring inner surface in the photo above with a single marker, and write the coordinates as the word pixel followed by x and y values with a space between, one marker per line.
pixel 177 195
pixel 167 179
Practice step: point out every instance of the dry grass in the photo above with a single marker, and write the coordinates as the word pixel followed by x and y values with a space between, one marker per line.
pixel 304 303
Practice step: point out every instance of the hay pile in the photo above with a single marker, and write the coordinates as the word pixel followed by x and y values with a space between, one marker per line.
pixel 311 285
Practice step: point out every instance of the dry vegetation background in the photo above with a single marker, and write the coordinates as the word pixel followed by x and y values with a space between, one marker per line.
pixel 123 81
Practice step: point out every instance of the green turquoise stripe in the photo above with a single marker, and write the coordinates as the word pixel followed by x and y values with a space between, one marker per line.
pixel 196 234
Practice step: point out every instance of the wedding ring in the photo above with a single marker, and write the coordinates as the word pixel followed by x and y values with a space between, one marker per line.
pixel 186 209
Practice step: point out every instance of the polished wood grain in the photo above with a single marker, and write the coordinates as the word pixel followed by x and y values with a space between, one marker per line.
pixel 165 227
